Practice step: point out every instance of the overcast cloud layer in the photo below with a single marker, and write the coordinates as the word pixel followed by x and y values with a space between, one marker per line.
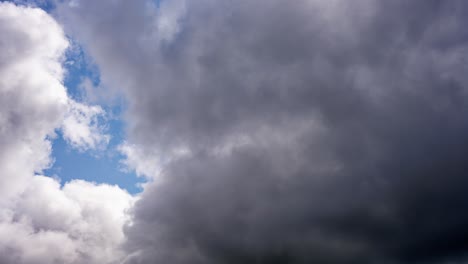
pixel 291 132
pixel 305 131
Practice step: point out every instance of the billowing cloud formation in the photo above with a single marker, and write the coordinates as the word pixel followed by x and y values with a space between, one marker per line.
pixel 317 131
pixel 79 223
pixel 314 131
pixel 41 222
pixel 32 96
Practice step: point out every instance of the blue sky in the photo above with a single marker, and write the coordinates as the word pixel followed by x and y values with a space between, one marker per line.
pixel 100 166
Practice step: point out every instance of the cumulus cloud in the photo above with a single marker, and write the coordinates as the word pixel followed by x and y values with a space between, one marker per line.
pixel 79 223
pixel 40 221
pixel 32 96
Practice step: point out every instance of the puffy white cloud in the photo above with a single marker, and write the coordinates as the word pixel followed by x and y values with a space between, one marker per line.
pixel 79 223
pixel 148 163
pixel 40 221
pixel 32 97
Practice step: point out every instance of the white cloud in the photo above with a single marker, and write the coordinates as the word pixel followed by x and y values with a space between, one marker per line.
pixel 33 101
pixel 40 221
pixel 81 127
pixel 32 98
pixel 149 164
pixel 79 223
pixel 136 160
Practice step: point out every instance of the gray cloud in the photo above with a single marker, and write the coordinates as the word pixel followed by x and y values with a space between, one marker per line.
pixel 310 131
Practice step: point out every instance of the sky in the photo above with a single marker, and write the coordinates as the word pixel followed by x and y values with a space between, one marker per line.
pixel 80 80
pixel 225 132
pixel 102 165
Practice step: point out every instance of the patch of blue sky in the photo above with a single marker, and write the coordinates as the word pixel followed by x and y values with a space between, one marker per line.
pixel 49 5
pixel 101 166
pixel 46 5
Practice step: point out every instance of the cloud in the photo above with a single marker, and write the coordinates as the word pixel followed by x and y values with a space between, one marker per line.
pixel 32 96
pixel 79 223
pixel 317 131
pixel 40 221
pixel 143 164
pixel 148 164
pixel 81 128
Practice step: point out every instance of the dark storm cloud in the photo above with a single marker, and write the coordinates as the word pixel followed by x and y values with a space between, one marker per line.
pixel 317 131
